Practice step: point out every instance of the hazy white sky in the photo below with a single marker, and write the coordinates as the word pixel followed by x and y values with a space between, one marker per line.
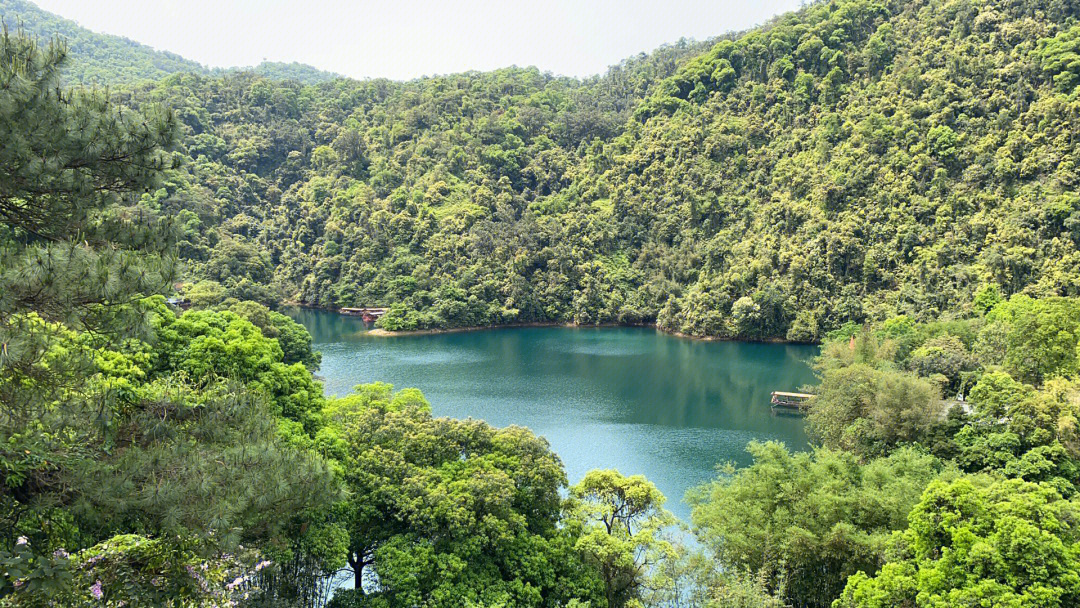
pixel 405 39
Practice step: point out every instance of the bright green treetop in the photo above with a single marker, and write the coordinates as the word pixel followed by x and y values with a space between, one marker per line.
pixel 979 543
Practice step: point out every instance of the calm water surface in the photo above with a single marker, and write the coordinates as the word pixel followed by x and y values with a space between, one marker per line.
pixel 632 399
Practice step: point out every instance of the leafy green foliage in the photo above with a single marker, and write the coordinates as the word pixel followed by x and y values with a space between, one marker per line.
pixel 853 161
pixel 115 416
pixel 203 461
pixel 424 196
pixel 869 411
pixel 1061 58
pixel 129 570
pixel 967 543
pixel 856 159
pixel 865 407
pixel 443 511
pixel 205 343
pixel 294 340
pixel 624 532
pixel 868 403
pixel 1023 433
pixel 1040 336
pixel 98 59
pixel 299 72
pixel 808 521
pixel 68 158
pixel 880 174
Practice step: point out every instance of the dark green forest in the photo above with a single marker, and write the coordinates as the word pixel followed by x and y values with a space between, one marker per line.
pixel 892 180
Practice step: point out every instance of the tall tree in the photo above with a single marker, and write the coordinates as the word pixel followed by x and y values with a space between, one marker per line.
pixel 444 512
pixel 69 156
pixel 624 533
pixel 71 258
pixel 96 438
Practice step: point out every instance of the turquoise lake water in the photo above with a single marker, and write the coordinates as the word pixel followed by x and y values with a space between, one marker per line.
pixel 630 398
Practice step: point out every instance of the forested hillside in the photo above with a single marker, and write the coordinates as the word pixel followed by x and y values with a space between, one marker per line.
pixel 857 160
pixel 850 161
pixel 847 162
pixel 101 59
pixel 428 194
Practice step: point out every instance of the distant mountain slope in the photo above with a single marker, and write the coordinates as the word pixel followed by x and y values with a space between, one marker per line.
pixel 95 59
pixel 848 162
pixel 104 59
pixel 434 173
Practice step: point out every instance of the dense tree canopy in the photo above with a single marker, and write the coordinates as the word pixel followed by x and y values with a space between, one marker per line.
pixel 102 433
pixel 852 161
pixel 624 531
pixel 979 543
pixel 444 511
pixel 809 520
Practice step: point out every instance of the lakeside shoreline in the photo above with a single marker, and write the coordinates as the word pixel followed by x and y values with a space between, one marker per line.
pixel 378 332
pixel 386 333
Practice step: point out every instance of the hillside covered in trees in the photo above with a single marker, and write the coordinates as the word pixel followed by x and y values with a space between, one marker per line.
pixel 847 162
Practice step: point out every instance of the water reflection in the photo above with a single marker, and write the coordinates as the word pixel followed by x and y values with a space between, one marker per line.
pixel 626 398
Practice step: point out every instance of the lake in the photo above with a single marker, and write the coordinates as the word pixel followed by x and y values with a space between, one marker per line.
pixel 628 398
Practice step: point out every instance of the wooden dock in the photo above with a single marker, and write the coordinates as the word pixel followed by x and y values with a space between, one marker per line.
pixel 368 314
pixel 791 401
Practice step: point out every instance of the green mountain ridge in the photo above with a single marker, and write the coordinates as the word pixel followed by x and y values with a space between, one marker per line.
pixel 104 59
pixel 847 162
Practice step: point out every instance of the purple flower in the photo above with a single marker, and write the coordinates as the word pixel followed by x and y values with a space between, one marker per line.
pixel 22 540
pixel 262 564
pixel 61 554
pixel 95 590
